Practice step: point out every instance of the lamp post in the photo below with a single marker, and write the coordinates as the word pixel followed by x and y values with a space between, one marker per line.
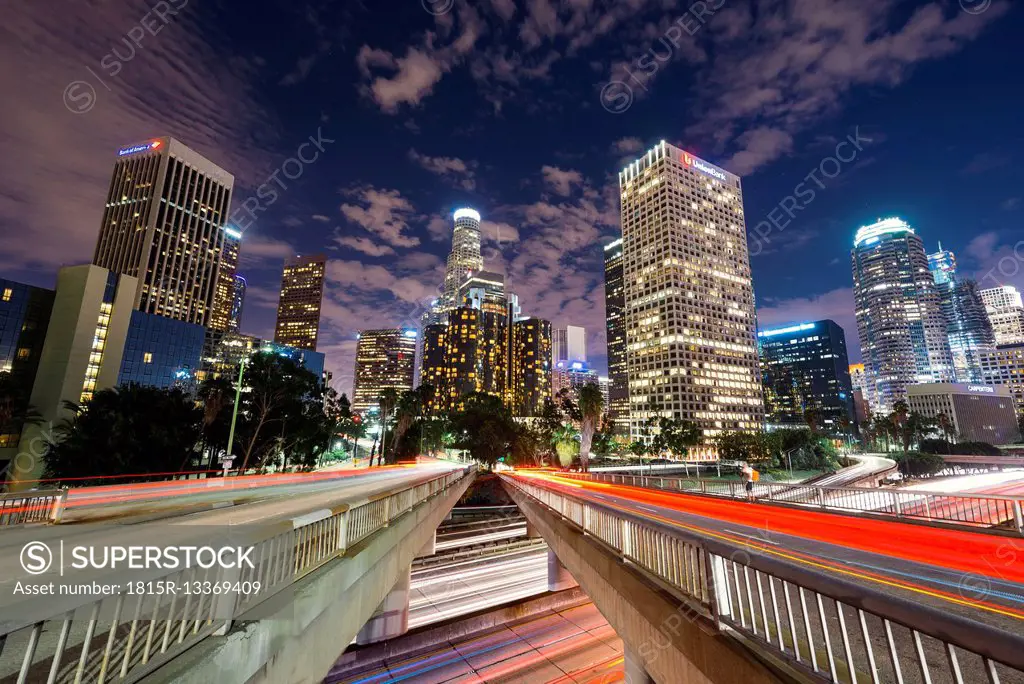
pixel 234 411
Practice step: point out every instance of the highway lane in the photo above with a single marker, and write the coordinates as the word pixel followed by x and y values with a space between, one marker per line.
pixel 442 592
pixel 189 529
pixel 575 645
pixel 977 575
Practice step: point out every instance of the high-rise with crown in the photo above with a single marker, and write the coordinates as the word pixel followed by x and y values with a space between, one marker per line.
pixel 691 346
pixel 465 256
pixel 164 225
pixel 302 292
pixel 903 333
pixel 968 328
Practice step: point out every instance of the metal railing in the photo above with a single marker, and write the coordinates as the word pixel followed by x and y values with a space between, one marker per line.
pixel 973 510
pixel 42 505
pixel 826 628
pixel 126 637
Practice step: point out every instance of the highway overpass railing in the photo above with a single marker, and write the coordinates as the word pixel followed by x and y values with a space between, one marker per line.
pixel 827 628
pixel 42 505
pixel 972 510
pixel 123 638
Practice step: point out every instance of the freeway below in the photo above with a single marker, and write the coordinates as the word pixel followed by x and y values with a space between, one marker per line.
pixel 975 574
pixel 567 646
pixel 441 592
pixel 269 505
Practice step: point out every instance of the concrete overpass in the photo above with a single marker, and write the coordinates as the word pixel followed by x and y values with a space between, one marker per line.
pixel 330 564
pixel 702 589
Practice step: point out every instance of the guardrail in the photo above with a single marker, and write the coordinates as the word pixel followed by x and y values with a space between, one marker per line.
pixel 124 638
pixel 824 627
pixel 973 510
pixel 41 505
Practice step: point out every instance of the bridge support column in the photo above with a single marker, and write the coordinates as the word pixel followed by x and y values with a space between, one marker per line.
pixel 391 619
pixel 558 577
pixel 430 548
pixel 634 669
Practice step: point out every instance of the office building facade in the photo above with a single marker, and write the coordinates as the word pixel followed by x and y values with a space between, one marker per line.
pixel 531 365
pixel 239 286
pixel 24 317
pixel 1005 309
pixel 82 353
pixel 1004 366
pixel 161 352
pixel 163 225
pixel 569 344
pixel 224 297
pixel 615 338
pixel 691 350
pixel 384 360
pixel 806 375
pixel 302 293
pixel 903 333
pixel 979 413
pixel 570 376
pixel 968 329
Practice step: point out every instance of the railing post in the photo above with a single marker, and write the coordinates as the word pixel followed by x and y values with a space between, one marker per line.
pixel 896 504
pixel 58 507
pixel 626 546
pixel 1018 519
pixel 821 497
pixel 718 587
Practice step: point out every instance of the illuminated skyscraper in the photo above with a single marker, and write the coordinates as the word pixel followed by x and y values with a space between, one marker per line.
pixel 806 376
pixel 384 360
pixel 569 344
pixel 237 303
pixel 298 311
pixel 432 362
pixel 968 328
pixel 465 256
pixel 1005 311
pixel 903 333
pixel 615 334
pixel 224 297
pixel 531 365
pixel 164 225
pixel 463 353
pixel 689 303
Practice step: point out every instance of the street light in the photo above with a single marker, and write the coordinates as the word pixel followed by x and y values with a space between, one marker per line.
pixel 789 461
pixel 234 414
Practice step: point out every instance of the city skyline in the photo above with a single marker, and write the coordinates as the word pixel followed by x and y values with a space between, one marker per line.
pixel 546 192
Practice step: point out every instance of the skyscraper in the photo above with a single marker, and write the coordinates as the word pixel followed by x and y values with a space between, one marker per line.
pixel 463 353
pixel 615 335
pixel 237 303
pixel 1004 365
pixel 903 333
pixel 432 361
pixel 806 375
pixel 465 256
pixel 224 297
pixel 968 329
pixel 298 311
pixel 571 375
pixel 164 226
pixel 384 360
pixel 569 344
pixel 689 302
pixel 531 365
pixel 1005 311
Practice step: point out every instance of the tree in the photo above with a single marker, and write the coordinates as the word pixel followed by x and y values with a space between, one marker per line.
pixel 812 417
pixel 130 430
pixel 591 407
pixel 676 436
pixel 15 410
pixel 386 403
pixel 281 410
pixel 946 427
pixel 217 395
pixel 408 408
pixel 485 428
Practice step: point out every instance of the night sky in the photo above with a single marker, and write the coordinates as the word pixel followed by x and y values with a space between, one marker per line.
pixel 504 105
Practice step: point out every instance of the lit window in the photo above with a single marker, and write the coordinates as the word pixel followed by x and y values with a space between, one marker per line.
pixel 8 292
pixel 147 357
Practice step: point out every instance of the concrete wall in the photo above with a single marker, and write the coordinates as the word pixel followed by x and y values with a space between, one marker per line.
pixel 300 639
pixel 671 646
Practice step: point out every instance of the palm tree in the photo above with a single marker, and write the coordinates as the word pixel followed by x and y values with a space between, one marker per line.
pixel 387 401
pixel 591 406
pixel 408 408
pixel 946 426
pixel 216 394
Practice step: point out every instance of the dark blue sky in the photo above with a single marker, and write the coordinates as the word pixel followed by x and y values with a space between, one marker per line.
pixel 504 105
